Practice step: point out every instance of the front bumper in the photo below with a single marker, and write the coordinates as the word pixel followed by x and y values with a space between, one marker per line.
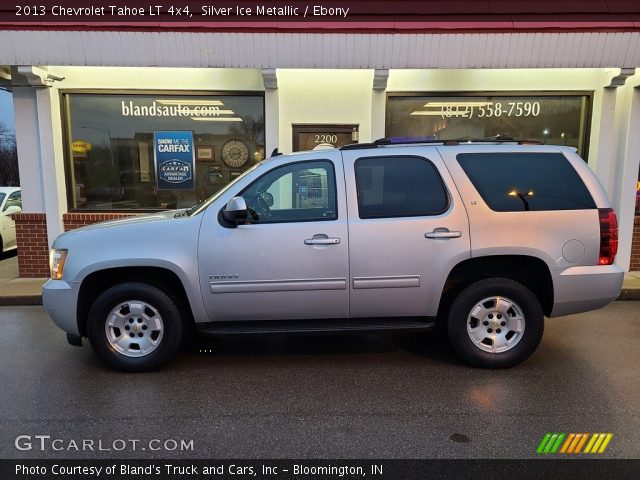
pixel 60 300
pixel 580 289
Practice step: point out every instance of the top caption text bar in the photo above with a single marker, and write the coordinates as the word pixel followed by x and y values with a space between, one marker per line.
pixel 437 14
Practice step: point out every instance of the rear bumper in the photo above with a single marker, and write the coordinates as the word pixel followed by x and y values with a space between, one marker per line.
pixel 580 289
pixel 60 300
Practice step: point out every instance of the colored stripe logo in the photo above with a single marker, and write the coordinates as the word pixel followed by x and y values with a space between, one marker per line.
pixel 574 443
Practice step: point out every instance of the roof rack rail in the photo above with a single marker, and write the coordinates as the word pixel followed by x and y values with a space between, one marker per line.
pixel 381 142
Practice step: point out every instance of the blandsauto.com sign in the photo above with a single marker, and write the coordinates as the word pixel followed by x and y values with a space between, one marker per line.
pixel 172 108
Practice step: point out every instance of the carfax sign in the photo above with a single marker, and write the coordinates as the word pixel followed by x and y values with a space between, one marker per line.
pixel 174 159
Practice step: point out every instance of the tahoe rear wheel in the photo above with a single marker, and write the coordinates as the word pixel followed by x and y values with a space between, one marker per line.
pixel 495 323
pixel 134 327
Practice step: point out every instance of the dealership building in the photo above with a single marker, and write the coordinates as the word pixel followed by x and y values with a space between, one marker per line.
pixel 90 99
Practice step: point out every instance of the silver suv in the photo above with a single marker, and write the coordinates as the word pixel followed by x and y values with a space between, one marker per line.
pixel 482 238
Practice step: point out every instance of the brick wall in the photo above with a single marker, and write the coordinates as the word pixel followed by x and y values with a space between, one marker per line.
pixel 75 220
pixel 635 247
pixel 33 247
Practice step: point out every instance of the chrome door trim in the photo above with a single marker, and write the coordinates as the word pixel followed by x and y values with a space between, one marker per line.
pixel 396 281
pixel 290 285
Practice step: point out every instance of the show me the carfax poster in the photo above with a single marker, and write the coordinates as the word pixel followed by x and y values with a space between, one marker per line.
pixel 174 159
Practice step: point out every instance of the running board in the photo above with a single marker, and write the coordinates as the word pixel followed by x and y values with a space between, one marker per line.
pixel 312 327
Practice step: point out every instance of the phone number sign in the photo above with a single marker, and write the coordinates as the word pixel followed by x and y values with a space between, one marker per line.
pixel 482 109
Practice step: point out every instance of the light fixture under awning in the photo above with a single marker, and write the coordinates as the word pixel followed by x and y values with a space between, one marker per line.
pixel 217 119
pixel 457 104
pixel 427 112
pixel 190 102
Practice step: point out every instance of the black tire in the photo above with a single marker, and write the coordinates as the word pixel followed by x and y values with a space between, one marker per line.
pixel 468 298
pixel 172 333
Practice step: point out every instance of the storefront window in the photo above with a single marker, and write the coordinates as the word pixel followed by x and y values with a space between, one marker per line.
pixel 128 152
pixel 559 119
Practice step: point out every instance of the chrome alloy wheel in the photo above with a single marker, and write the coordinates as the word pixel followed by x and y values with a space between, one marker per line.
pixel 134 328
pixel 496 324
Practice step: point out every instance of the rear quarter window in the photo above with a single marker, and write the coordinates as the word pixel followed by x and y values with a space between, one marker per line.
pixel 512 182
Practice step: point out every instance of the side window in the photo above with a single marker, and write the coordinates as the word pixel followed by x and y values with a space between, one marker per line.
pixel 399 187
pixel 511 182
pixel 299 192
pixel 14 200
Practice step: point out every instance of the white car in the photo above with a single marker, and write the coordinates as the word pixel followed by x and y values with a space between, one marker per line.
pixel 10 202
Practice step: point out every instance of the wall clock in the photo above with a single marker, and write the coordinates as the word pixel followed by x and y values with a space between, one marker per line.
pixel 235 153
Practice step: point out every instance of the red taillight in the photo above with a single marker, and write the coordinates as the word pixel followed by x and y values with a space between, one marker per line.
pixel 608 236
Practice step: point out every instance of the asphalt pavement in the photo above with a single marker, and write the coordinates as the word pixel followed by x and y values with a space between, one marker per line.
pixel 355 396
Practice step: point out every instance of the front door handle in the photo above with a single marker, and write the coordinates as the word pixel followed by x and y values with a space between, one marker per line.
pixel 322 239
pixel 439 233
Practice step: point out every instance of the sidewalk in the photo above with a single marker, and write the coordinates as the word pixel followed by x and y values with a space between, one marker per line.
pixel 28 291
pixel 21 291
pixel 630 287
pixel 18 291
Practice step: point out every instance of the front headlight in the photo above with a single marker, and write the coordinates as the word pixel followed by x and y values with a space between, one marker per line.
pixel 57 257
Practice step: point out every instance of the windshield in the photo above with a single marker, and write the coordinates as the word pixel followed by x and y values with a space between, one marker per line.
pixel 199 207
pixel 2 195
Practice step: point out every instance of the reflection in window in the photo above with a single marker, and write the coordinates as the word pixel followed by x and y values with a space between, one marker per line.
pixel 298 192
pixel 111 152
pixel 512 182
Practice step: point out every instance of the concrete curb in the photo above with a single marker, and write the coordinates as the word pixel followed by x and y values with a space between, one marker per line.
pixel 629 294
pixel 21 301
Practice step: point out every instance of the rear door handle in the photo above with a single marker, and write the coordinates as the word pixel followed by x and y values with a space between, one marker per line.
pixel 442 233
pixel 322 239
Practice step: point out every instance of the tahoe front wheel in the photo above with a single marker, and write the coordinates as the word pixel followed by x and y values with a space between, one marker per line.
pixel 495 323
pixel 134 327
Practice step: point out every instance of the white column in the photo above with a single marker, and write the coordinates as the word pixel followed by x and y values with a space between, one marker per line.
pixel 271 121
pixel 624 197
pixel 378 105
pixel 378 112
pixel 603 156
pixel 52 161
pixel 40 154
pixel 272 110
pixel 27 135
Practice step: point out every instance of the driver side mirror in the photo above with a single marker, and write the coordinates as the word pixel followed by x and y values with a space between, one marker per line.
pixel 235 211
pixel 12 209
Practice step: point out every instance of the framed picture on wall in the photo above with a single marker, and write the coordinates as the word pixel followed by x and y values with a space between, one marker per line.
pixel 215 174
pixel 204 153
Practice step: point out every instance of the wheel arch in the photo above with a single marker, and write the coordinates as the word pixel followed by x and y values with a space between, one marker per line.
pixel 530 271
pixel 159 277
